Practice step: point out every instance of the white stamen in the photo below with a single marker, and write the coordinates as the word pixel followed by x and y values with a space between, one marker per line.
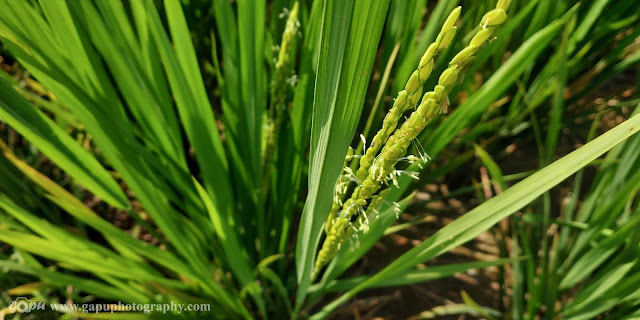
pixel 284 14
pixel 364 144
pixel 292 80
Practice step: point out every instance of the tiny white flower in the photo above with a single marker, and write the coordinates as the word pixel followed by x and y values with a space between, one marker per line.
pixel 284 14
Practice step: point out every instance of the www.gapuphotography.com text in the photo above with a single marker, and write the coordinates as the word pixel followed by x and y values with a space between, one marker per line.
pixel 24 305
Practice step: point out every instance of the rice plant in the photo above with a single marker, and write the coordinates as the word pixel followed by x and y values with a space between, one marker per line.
pixel 246 155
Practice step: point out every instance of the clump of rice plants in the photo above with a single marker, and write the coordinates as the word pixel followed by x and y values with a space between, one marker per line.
pixel 198 153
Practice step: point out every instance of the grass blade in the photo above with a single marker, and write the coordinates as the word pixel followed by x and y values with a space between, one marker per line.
pixel 497 208
pixel 350 35
pixel 58 146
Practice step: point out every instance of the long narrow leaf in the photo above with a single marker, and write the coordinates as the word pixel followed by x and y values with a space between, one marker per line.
pixel 497 208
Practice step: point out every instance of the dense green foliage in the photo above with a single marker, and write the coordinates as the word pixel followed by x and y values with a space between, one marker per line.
pixel 219 130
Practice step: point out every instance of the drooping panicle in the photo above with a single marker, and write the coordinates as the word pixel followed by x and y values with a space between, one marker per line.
pixel 390 144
